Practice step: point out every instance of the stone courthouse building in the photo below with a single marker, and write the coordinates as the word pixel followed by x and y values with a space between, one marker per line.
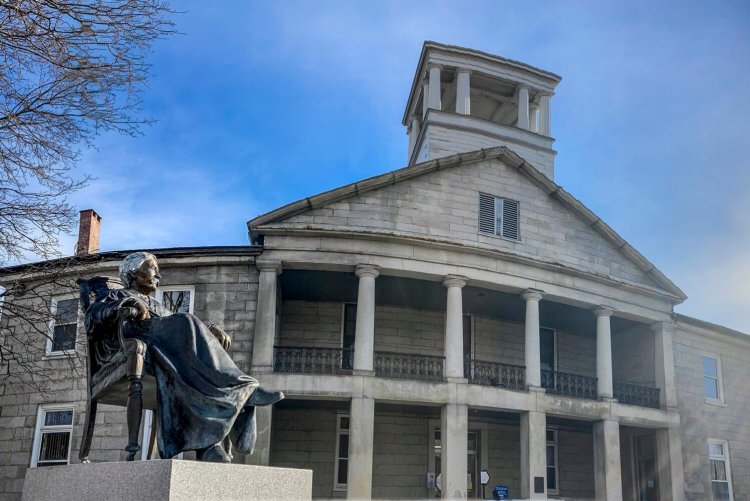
pixel 462 314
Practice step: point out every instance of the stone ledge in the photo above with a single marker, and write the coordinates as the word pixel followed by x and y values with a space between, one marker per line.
pixel 162 480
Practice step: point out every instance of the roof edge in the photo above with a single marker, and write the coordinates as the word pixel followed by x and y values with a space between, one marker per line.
pixel 704 324
pixel 502 153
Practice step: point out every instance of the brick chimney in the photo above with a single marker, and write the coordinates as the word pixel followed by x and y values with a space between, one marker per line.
pixel 88 233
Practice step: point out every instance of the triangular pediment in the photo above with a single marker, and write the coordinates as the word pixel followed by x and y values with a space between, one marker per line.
pixel 439 200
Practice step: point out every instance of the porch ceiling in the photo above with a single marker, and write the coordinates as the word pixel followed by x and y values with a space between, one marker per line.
pixel 332 286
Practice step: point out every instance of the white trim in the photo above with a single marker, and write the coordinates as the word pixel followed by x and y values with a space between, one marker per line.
pixel 159 296
pixel 338 486
pixel 48 351
pixel 554 443
pixel 725 457
pixel 720 380
pixel 39 428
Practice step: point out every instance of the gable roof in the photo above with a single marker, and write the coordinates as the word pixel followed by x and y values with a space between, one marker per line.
pixel 502 154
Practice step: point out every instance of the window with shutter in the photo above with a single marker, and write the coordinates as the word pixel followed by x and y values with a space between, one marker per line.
pixel 499 216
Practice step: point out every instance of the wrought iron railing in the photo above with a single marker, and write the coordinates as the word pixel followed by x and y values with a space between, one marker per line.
pixel 633 394
pixel 569 385
pixel 408 366
pixel 307 360
pixel 495 374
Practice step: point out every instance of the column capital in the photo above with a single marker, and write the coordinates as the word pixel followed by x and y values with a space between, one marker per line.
pixel 604 311
pixel 437 66
pixel 268 265
pixel 463 70
pixel 367 270
pixel 455 281
pixel 532 294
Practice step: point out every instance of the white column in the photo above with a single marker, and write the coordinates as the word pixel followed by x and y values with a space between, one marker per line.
pixel 533 455
pixel 364 335
pixel 604 352
pixel 425 96
pixel 669 464
pixel 533 123
pixel 454 431
pixel 463 91
pixel 413 135
pixel 607 472
pixel 433 101
pixel 361 432
pixel 523 108
pixel 533 357
pixel 664 358
pixel 265 316
pixel 454 328
pixel 545 127
pixel 261 456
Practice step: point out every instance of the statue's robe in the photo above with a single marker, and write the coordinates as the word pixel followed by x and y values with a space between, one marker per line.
pixel 201 394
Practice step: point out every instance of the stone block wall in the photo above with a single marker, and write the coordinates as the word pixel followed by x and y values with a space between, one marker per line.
pixel 633 353
pixel 399 464
pixel 575 452
pixel 504 457
pixel 224 293
pixel 701 420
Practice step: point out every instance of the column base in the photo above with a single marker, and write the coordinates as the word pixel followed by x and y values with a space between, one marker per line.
pixel 461 380
pixel 610 400
pixel 362 372
pixel 536 389
pixel 261 369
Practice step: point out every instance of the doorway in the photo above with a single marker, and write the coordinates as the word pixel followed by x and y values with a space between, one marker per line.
pixel 644 468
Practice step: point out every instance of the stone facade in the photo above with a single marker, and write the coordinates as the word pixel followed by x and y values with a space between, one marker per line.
pixel 624 413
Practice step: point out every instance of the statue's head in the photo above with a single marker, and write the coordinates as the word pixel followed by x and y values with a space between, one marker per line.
pixel 140 271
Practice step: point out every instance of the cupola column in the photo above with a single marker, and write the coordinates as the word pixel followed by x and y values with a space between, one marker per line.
pixel 425 96
pixel 454 328
pixel 523 108
pixel 364 339
pixel 533 123
pixel 463 91
pixel 545 127
pixel 604 351
pixel 433 101
pixel 533 357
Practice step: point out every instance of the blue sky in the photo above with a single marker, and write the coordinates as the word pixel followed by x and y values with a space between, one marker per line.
pixel 262 103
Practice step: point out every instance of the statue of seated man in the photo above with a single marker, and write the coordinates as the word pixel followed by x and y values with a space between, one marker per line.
pixel 203 399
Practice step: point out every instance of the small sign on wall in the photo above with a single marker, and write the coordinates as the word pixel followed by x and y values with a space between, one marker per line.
pixel 430 480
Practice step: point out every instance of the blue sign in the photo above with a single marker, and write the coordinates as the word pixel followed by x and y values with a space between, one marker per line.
pixel 500 492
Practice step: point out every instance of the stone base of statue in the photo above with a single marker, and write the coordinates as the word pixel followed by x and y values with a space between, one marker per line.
pixel 162 480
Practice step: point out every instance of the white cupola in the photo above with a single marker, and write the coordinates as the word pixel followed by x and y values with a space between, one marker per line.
pixel 464 100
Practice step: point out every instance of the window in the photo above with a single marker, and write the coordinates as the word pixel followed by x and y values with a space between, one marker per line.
pixel 721 475
pixel 499 216
pixel 63 326
pixel 177 299
pixel 547 349
pixel 348 332
pixel 551 461
pixel 712 387
pixel 341 467
pixel 52 437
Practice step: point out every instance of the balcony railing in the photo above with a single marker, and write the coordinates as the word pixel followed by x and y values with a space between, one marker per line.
pixel 408 366
pixel 569 385
pixel 307 360
pixel 495 374
pixel 633 394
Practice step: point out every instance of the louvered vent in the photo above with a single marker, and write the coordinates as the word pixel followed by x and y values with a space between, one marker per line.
pixel 498 216
pixel 486 213
pixel 510 219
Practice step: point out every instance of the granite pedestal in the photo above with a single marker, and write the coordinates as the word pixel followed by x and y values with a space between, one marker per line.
pixel 162 480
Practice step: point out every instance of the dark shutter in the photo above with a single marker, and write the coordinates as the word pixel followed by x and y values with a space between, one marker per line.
pixel 486 213
pixel 510 219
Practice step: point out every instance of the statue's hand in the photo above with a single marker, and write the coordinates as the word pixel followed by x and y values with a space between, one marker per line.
pixel 220 336
pixel 138 311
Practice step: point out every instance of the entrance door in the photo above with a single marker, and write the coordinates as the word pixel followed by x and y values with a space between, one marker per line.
pixel 644 459
pixel 473 463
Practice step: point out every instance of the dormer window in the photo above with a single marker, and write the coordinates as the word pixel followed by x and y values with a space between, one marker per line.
pixel 499 216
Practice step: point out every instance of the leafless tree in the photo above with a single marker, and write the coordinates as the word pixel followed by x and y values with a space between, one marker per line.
pixel 69 70
pixel 34 324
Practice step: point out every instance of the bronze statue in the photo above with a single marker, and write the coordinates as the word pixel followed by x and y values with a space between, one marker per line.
pixel 205 403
